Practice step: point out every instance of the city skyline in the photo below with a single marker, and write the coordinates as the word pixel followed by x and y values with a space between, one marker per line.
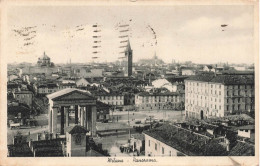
pixel 196 36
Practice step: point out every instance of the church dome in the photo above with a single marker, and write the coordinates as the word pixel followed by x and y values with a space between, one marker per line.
pixel 45 57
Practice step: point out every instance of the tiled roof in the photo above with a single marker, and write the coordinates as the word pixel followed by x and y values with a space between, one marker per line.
pixel 233 79
pixel 174 137
pixel 76 129
pixel 158 94
pixel 244 117
pixel 202 77
pixel 247 127
pixel 242 149
pixel 224 79
pixel 20 150
pixel 176 79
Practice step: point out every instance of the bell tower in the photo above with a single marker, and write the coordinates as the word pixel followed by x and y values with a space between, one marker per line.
pixel 129 56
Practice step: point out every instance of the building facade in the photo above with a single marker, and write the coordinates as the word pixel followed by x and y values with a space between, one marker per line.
pixel 218 96
pixel 158 101
pixel 111 99
pixel 25 97
pixel 157 148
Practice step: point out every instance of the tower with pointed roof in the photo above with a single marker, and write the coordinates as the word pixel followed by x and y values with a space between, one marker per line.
pixel 129 62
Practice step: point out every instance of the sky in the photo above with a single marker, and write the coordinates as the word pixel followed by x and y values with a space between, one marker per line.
pixel 180 33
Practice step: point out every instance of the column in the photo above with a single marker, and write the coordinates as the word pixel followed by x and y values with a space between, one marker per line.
pixel 86 117
pixel 76 114
pixel 67 116
pixel 49 119
pixel 94 119
pixel 79 113
pixel 54 120
pixel 82 116
pixel 62 121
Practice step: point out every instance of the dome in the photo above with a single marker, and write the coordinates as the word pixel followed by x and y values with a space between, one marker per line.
pixel 45 57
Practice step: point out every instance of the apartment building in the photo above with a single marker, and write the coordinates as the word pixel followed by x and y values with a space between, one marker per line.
pixel 111 99
pixel 210 95
pixel 158 101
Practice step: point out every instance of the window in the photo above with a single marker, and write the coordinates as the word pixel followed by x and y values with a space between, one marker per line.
pixel 162 150
pixel 149 143
pixel 155 146
pixel 170 153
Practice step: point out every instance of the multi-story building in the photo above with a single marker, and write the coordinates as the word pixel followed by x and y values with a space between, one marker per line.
pixel 44 89
pixel 25 97
pixel 111 99
pixel 157 148
pixel 218 95
pixel 158 101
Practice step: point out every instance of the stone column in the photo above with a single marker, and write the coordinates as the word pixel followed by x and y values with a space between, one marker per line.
pixel 67 116
pixel 50 118
pixel 82 116
pixel 93 119
pixel 54 120
pixel 89 118
pixel 86 117
pixel 62 121
pixel 76 114
pixel 79 114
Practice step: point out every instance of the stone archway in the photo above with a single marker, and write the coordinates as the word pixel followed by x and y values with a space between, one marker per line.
pixel 84 105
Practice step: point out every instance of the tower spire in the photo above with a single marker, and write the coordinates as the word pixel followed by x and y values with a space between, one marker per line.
pixel 128 47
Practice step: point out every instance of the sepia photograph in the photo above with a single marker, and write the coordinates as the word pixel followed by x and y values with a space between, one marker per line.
pixel 130 82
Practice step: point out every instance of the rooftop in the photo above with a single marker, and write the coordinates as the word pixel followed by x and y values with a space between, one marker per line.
pixel 224 79
pixel 247 127
pixel 242 149
pixel 76 129
pixel 158 94
pixel 65 91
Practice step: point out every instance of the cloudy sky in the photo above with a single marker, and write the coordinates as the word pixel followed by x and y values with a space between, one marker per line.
pixel 178 32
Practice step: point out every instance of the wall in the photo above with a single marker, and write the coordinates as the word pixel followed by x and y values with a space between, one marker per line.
pixel 112 100
pixel 168 151
pixel 243 133
pixel 76 150
pixel 25 98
